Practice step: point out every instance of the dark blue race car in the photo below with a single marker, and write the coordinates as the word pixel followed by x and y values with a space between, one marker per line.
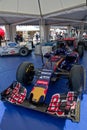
pixel 61 62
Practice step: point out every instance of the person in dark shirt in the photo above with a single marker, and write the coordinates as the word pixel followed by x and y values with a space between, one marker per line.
pixel 18 38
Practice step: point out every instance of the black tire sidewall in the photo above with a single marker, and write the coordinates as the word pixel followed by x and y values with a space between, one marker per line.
pixel 23 51
pixel 76 78
pixel 21 73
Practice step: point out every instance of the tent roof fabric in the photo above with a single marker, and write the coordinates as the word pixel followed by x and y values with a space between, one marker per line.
pixel 53 11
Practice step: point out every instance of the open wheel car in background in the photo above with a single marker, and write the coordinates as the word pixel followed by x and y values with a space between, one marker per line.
pixel 77 45
pixel 13 48
pixel 72 43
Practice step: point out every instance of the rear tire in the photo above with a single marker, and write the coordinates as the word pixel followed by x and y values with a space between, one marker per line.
pixel 23 51
pixel 77 78
pixel 25 73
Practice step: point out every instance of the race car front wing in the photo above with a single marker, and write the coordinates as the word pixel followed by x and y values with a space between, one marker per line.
pixel 65 105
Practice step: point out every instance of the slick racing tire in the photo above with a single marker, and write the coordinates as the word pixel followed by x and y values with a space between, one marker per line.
pixel 80 50
pixel 23 51
pixel 25 73
pixel 77 78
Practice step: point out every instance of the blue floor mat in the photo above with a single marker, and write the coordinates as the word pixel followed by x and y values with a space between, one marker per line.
pixel 15 117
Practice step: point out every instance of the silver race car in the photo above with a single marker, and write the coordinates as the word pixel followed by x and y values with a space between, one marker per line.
pixel 13 48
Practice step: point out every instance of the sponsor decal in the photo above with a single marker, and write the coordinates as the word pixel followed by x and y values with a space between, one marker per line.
pixel 46 73
pixel 42 82
pixel 54 106
pixel 12 52
pixel 56 102
pixel 44 77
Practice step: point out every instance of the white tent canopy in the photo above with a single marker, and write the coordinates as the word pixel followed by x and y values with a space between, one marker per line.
pixel 31 7
pixel 53 11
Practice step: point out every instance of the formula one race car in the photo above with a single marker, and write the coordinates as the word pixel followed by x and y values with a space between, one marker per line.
pixel 13 48
pixel 71 43
pixel 61 104
pixel 65 104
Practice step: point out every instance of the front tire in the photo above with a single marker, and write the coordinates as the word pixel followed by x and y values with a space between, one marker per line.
pixel 25 73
